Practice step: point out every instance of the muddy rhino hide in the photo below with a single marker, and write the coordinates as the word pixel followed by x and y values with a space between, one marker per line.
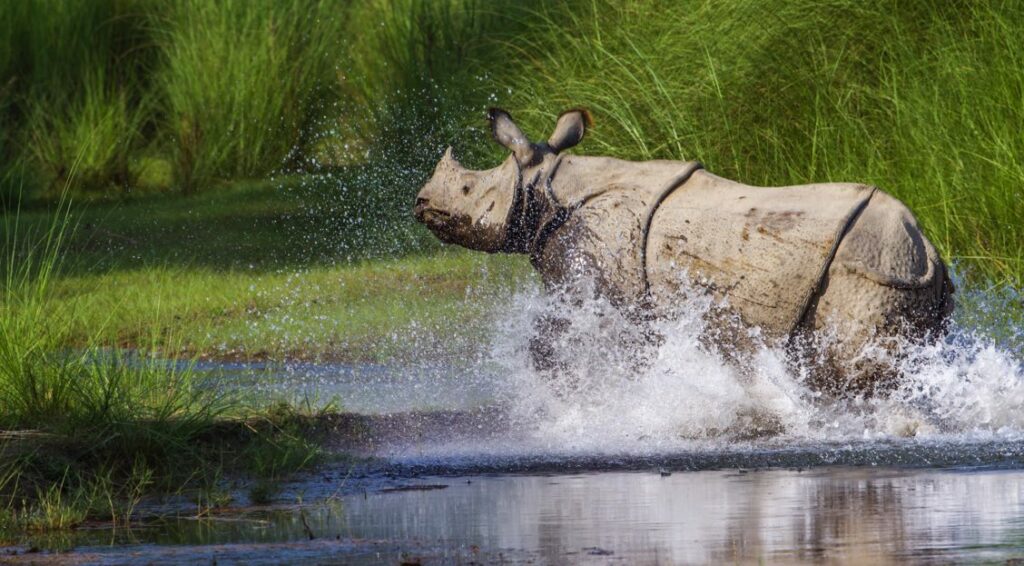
pixel 764 251
pixel 779 262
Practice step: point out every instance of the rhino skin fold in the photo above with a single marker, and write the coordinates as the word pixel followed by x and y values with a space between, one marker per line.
pixel 789 261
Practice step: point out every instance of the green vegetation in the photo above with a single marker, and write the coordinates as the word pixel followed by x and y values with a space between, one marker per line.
pixel 86 433
pixel 242 82
pixel 371 312
pixel 253 271
pixel 243 172
pixel 62 98
pixel 922 99
pixel 216 90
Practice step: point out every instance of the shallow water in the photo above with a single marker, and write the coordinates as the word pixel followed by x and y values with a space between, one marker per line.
pixel 358 387
pixel 680 458
pixel 860 515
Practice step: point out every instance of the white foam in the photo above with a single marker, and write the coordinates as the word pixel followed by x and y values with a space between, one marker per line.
pixel 968 386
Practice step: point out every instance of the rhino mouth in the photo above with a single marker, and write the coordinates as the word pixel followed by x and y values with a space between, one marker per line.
pixel 448 227
pixel 432 216
pixel 441 223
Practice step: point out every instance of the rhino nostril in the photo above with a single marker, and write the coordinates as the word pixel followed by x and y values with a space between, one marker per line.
pixel 420 208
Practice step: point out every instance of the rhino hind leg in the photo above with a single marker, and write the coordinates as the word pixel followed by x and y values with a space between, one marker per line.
pixel 886 289
pixel 857 330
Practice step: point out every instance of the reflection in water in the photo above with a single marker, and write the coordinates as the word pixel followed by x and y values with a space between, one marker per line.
pixel 716 516
pixel 839 514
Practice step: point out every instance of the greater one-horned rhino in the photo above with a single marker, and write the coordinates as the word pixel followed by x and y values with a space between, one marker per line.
pixel 787 260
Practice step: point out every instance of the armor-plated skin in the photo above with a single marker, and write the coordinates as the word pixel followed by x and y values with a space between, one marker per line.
pixel 787 260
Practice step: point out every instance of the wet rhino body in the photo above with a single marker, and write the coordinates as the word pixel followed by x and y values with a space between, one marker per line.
pixel 789 261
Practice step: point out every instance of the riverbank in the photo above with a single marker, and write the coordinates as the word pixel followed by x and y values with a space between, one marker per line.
pixel 265 270
pixel 105 303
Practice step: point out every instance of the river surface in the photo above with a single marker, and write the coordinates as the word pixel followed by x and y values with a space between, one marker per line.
pixel 635 453
pixel 859 515
pixel 448 476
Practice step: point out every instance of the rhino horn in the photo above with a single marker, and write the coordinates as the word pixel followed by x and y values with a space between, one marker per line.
pixel 571 127
pixel 508 134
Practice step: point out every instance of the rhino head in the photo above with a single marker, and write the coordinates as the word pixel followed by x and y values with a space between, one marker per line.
pixel 474 208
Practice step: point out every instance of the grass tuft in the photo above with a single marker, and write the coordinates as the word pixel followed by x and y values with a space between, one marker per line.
pixel 240 82
pixel 85 433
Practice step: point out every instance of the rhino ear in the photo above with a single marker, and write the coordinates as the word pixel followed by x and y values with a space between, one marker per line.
pixel 449 158
pixel 508 134
pixel 571 127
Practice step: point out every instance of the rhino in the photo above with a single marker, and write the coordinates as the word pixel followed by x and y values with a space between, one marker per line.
pixel 783 265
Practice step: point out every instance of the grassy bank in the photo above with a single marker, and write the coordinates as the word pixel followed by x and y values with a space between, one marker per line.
pixel 101 305
pixel 265 270
pixel 368 312
pixel 87 433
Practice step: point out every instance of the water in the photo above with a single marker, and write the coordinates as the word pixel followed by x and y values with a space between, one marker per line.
pixel 967 386
pixel 359 388
pixel 876 516
pixel 656 453
pixel 617 394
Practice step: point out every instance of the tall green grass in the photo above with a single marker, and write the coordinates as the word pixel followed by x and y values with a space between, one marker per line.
pixel 220 89
pixel 99 127
pixel 243 82
pixel 413 70
pixel 414 82
pixel 70 75
pixel 923 99
pixel 100 402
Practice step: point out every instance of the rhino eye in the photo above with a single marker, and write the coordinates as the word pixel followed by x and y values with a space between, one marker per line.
pixel 465 189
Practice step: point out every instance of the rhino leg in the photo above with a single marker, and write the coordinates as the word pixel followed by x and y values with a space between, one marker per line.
pixel 564 354
pixel 857 329
pixel 543 351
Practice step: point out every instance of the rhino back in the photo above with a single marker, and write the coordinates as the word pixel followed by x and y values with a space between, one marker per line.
pixel 762 249
pixel 581 178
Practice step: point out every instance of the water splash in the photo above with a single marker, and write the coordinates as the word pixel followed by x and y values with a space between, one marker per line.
pixel 967 387
pixel 620 392
pixel 623 400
